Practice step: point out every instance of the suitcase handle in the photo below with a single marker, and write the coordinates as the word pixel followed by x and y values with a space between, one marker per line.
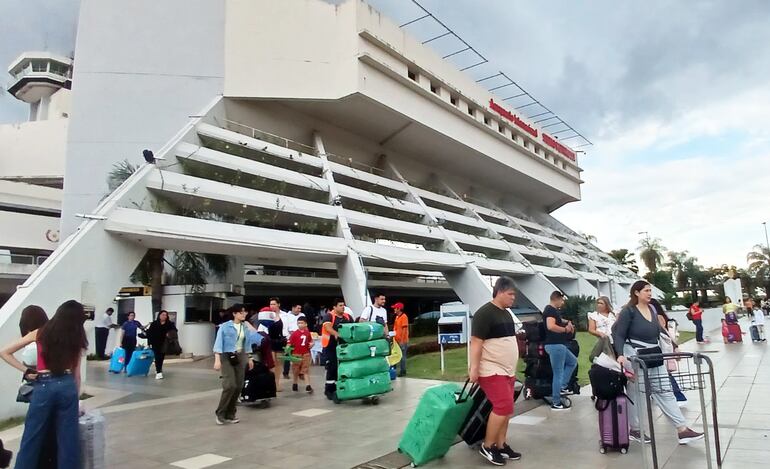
pixel 460 399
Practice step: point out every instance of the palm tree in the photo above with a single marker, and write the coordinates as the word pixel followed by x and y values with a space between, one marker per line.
pixel 651 252
pixel 625 258
pixel 759 265
pixel 676 262
pixel 190 268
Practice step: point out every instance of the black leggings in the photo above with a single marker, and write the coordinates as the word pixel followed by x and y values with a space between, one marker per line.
pixel 159 357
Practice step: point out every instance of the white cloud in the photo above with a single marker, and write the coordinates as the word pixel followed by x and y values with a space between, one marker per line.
pixel 711 205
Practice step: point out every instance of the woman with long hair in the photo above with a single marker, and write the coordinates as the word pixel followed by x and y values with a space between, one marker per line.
pixel 636 332
pixel 54 403
pixel 157 334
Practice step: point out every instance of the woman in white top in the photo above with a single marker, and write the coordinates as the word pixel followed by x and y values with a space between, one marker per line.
pixel 600 321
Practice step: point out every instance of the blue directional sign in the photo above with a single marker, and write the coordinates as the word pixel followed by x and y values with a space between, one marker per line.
pixel 450 339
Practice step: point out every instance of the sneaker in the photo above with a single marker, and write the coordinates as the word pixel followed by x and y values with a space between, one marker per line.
pixel 158 375
pixel 309 389
pixel 508 453
pixel 294 387
pixel 635 435
pixel 689 436
pixel 558 406
pixel 285 376
pixel 233 420
pixel 492 455
pixel 219 421
pixel 566 392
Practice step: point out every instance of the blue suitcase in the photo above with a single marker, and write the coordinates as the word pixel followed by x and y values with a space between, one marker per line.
pixel 118 360
pixel 140 362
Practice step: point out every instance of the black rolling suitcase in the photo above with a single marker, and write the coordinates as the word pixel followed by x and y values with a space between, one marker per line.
pixel 474 429
pixel 259 385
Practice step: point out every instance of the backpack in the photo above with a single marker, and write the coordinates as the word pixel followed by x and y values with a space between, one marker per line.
pixel 606 384
pixel 689 315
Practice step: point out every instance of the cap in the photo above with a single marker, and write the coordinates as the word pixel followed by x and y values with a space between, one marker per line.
pixel 398 305
pixel 265 308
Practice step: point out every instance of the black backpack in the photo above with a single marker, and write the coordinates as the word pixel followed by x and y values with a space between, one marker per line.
pixel 606 384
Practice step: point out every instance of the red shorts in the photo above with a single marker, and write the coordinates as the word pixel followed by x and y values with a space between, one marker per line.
pixel 499 391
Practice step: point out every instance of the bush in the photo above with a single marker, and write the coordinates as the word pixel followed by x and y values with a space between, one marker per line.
pixel 423 327
pixel 576 309
pixel 429 347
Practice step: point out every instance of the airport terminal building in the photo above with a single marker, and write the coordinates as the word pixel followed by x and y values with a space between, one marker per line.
pixel 320 147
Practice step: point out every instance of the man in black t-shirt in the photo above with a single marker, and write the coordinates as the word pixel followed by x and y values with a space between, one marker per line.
pixel 493 359
pixel 558 333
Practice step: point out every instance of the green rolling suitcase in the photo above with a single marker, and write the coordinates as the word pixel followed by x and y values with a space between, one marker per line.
pixel 362 368
pixel 435 423
pixel 361 332
pixel 357 351
pixel 358 388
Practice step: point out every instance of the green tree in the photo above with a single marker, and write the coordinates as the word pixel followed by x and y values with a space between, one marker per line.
pixel 625 258
pixel 189 268
pixel 759 266
pixel 651 252
pixel 676 261
pixel 661 279
pixel 576 309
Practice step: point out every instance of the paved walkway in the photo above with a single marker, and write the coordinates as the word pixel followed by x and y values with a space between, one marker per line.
pixel 170 423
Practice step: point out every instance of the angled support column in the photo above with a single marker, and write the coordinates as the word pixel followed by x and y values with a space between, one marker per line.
pixel 536 287
pixel 468 282
pixel 351 271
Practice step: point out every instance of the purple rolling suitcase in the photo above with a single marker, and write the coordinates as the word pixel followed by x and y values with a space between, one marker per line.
pixel 613 424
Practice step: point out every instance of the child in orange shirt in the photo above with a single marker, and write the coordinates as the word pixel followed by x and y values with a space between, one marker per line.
pixel 301 342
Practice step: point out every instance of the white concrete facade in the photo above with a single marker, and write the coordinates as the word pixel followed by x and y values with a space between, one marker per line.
pixel 338 141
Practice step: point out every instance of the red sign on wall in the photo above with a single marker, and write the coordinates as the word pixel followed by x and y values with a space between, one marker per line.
pixel 562 149
pixel 512 117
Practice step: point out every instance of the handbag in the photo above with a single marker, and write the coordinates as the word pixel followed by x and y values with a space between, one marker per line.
pixel 606 384
pixel 25 393
pixel 651 362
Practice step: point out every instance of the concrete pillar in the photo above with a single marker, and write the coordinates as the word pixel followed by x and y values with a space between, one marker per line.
pixel 350 270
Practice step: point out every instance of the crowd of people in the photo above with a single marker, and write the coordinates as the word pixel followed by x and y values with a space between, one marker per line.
pixel 50 353
pixel 637 329
pixel 245 335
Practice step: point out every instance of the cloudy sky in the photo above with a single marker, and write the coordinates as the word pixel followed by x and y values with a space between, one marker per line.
pixel 674 95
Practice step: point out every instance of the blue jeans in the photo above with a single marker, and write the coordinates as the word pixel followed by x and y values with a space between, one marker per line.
pixel 698 330
pixel 563 363
pixel 54 403
pixel 403 347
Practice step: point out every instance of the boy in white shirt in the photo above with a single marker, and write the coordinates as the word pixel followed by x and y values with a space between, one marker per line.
pixel 758 317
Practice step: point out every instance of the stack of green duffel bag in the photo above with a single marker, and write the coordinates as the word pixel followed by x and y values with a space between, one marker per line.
pixel 435 423
pixel 363 369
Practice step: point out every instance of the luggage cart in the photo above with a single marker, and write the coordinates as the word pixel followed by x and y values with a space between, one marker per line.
pixel 694 372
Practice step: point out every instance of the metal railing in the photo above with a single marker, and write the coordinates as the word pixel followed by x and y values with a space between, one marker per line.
pixel 263 135
pixel 24 259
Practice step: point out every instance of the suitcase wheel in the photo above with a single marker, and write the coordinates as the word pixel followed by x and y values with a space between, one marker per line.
pixel 623 450
pixel 264 404
pixel 603 449
pixel 375 400
pixel 336 400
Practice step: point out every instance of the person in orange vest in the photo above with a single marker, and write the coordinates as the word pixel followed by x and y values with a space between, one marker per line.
pixel 329 342
pixel 401 329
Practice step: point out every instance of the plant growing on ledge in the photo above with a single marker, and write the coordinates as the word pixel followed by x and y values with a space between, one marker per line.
pixel 150 268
